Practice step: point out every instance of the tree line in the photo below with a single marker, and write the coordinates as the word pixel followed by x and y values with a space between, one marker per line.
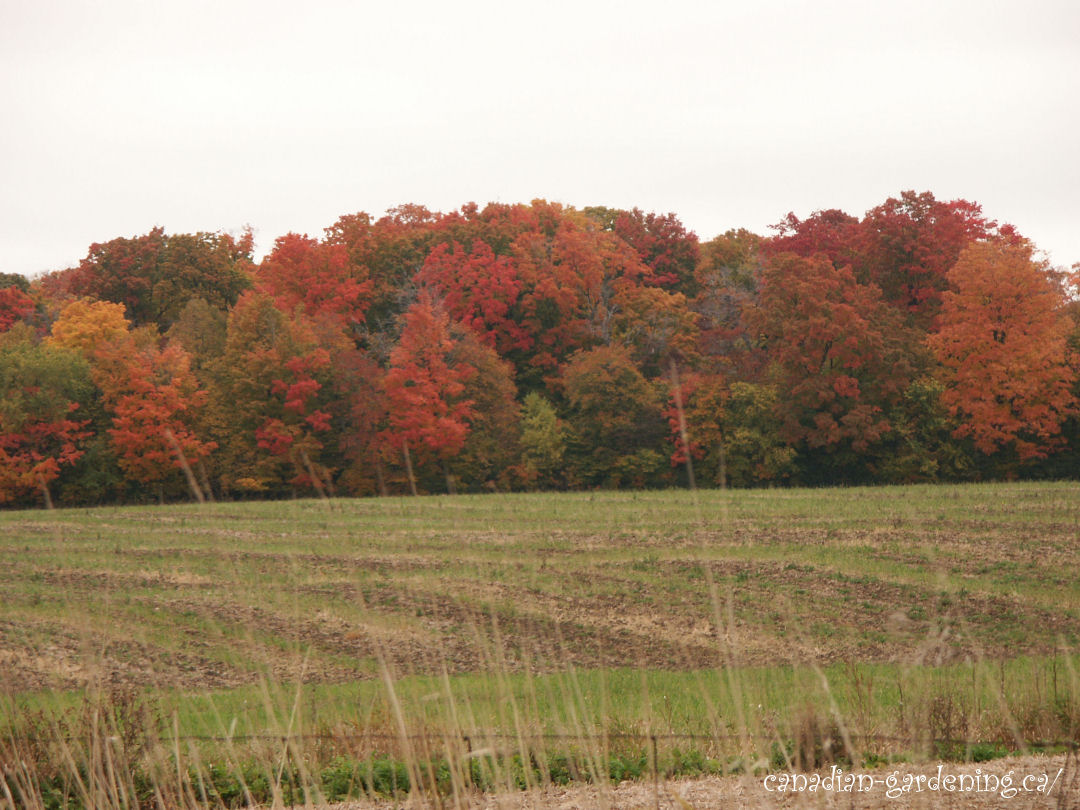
pixel 541 346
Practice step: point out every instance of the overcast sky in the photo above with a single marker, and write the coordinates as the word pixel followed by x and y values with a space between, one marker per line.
pixel 119 115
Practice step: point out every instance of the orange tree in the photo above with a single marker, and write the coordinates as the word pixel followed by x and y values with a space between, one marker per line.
pixel 1003 347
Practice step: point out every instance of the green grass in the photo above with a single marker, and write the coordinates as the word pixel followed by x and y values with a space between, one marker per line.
pixel 738 622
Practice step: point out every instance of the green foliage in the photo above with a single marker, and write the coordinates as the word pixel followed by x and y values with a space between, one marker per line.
pixel 543 441
pixel 921 445
pixel 756 454
pixel 615 418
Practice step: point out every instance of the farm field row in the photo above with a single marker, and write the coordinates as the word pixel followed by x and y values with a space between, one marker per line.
pixel 740 629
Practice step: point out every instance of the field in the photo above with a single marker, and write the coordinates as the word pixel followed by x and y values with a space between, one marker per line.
pixel 674 630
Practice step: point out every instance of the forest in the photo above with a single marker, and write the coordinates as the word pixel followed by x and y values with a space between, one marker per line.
pixel 541 346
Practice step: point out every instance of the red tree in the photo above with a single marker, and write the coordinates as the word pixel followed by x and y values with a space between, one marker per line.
pixel 425 383
pixel 14 306
pixel 320 277
pixel 480 290
pixel 152 396
pixel 832 345
pixel 907 246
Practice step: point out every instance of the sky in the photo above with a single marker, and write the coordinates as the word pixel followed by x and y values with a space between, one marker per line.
pixel 123 115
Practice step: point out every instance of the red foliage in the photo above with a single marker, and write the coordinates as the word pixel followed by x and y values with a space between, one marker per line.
pixel 480 290
pixel 14 306
pixel 319 277
pixel 908 245
pixel 151 393
pixel 425 383
pixel 828 339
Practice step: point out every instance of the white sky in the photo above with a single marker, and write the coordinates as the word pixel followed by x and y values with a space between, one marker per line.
pixel 119 115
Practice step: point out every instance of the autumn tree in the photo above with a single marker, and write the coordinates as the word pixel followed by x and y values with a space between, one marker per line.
pixel 317 276
pixel 615 416
pixel 1003 345
pixel 489 459
pixel 921 445
pixel 149 392
pixel 658 326
pixel 273 404
pixel 359 381
pixel 425 388
pixel 43 394
pixel 831 233
pixel 836 352
pixel 153 398
pixel 392 249
pixel 480 290
pixel 14 306
pixel 86 326
pixel 572 272
pixel 660 240
pixel 727 279
pixel 907 245
pixel 155 275
pixel 201 329
pixel 732 429
pixel 543 442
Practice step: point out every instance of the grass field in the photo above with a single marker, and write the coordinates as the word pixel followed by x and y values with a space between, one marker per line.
pixel 746 620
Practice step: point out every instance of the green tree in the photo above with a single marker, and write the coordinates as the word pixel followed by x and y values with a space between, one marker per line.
pixel 617 426
pixel 43 395
pixel 543 442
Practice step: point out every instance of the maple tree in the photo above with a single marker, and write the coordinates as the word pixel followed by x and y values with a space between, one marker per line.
pixel 833 348
pixel 831 233
pixel 14 306
pixel 1003 344
pixel 489 457
pixel 480 290
pixel 425 385
pixel 88 326
pixel 152 396
pixel 660 240
pixel 317 276
pixel 907 245
pixel 572 272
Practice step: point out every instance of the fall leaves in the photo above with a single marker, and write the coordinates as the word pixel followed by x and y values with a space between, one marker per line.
pixel 536 345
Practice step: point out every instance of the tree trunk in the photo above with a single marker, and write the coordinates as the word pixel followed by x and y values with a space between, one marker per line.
pixel 184 466
pixel 451 489
pixel 379 477
pixel 312 474
pixel 408 466
pixel 45 491
pixel 684 434
pixel 205 481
